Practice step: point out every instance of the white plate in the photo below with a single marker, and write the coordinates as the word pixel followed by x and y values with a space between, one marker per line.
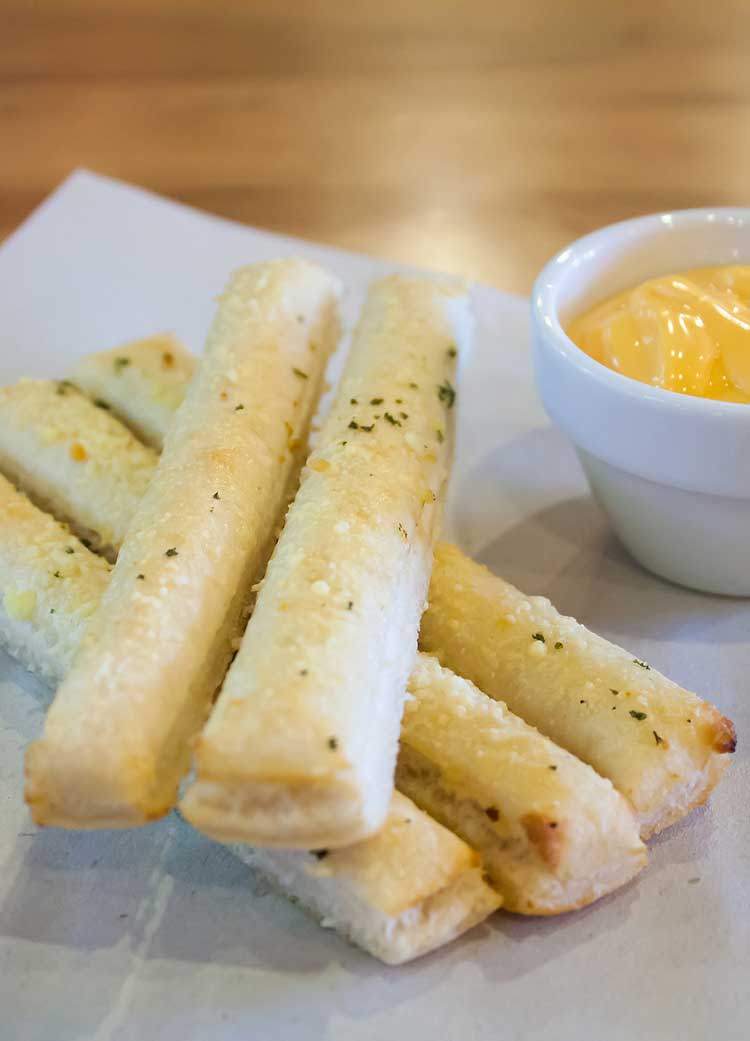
pixel 159 932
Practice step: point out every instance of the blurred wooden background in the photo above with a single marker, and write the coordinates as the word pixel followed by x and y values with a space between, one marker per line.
pixel 472 135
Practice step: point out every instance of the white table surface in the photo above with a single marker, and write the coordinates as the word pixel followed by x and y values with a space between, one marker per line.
pixel 161 933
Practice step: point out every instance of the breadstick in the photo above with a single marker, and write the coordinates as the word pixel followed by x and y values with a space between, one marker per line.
pixel 143 383
pixel 73 458
pixel 300 748
pixel 407 890
pixel 664 748
pixel 553 835
pixel 50 585
pixel 117 738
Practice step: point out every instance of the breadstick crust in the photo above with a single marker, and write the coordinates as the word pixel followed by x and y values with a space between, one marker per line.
pixel 50 586
pixel 300 748
pixel 74 459
pixel 118 736
pixel 554 835
pixel 143 383
pixel 663 747
pixel 403 892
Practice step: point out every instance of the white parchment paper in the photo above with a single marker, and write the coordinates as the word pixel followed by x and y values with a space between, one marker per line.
pixel 160 933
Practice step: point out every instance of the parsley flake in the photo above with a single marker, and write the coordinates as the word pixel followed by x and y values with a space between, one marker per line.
pixel 238 408
pixel 216 495
pixel 539 637
pixel 447 394
pixel 101 404
pixel 559 645
pixel 333 743
pixel 643 665
pixel 172 552
pixel 640 716
pixel 659 740
pixel 376 401
pixel 121 363
pixel 391 419
pixel 319 853
pixel 69 549
pixel 493 813
pixel 298 372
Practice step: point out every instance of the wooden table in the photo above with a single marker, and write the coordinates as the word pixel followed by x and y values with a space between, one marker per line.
pixel 477 136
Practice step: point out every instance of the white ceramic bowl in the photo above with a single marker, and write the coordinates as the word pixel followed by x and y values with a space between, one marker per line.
pixel 671 471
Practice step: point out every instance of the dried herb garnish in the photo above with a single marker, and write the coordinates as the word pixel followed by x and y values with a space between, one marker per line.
pixel 350 605
pixel 56 574
pixel 216 495
pixel 376 401
pixel 63 386
pixel 552 768
pixel 559 645
pixel 613 691
pixel 643 665
pixel 321 854
pixel 414 386
pixel 539 637
pixel 354 425
pixel 141 578
pixel 640 716
pixel 69 549
pixel 101 404
pixel 440 436
pixel 333 743
pixel 452 352
pixel 238 408
pixel 298 372
pixel 391 419
pixel 659 740
pixel 86 543
pixel 404 415
pixel 353 401
pixel 121 363
pixel 447 394
pixel 172 552
pixel 168 359
pixel 493 813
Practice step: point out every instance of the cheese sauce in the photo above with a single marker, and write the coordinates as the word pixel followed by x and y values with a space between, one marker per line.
pixel 688 333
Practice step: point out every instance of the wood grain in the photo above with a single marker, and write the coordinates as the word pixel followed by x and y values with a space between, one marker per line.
pixel 473 136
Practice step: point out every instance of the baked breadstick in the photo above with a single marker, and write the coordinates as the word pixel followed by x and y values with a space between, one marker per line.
pixel 405 891
pixel 117 738
pixel 73 458
pixel 661 746
pixel 409 889
pixel 552 833
pixel 142 382
pixel 50 585
pixel 300 748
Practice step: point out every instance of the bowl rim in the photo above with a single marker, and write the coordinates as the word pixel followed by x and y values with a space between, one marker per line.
pixel 545 314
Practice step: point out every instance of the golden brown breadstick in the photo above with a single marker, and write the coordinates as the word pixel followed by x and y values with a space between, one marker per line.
pixel 661 746
pixel 117 738
pixel 300 748
pixel 142 382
